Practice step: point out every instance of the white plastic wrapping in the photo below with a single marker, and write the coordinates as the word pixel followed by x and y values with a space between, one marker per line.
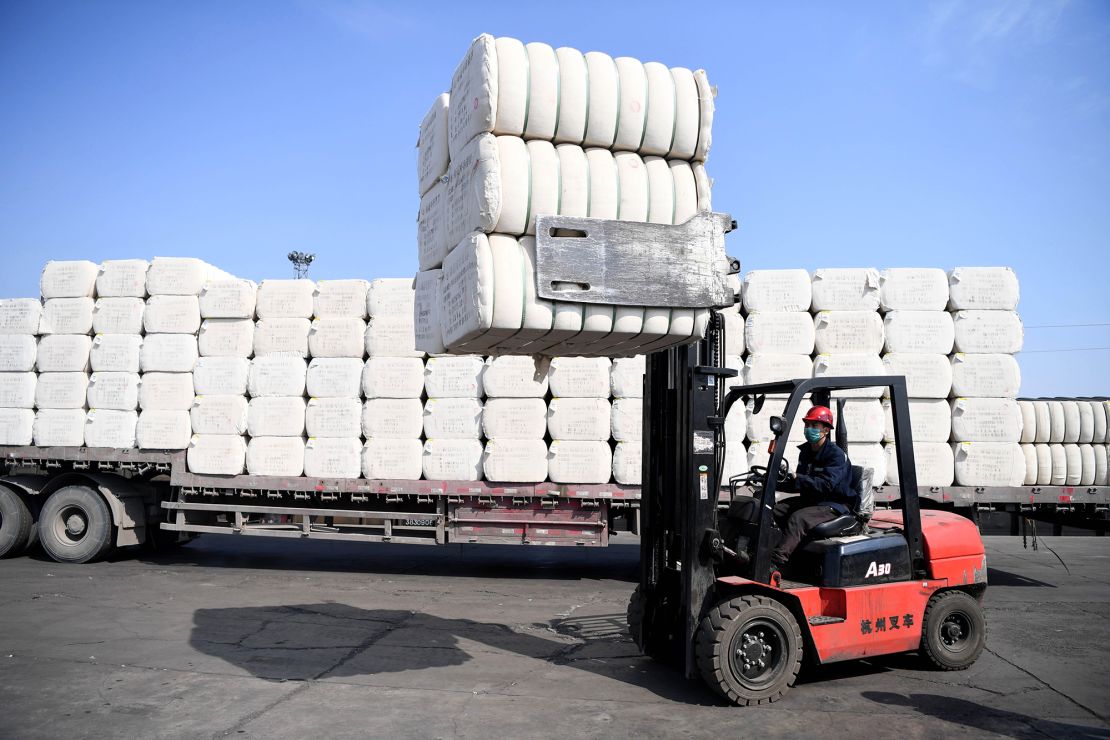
pixel 453 418
pixel 772 368
pixel 162 429
pixel 392 335
pixel 426 321
pixel 431 147
pixel 628 419
pixel 990 288
pixel 16 426
pixel 515 376
pixel 913 289
pixel 172 314
pixel 219 415
pixel 334 377
pixel 779 332
pixel 628 462
pixel 432 237
pixel 393 377
pixel 393 418
pixel 1072 427
pixel 989 464
pixel 17 390
pixel 109 390
pixel 986 420
pixel 846 289
pixel 626 377
pixel 17 353
pixel 337 337
pixel 863 419
pixel 777 290
pixel 221 376
pixel 1087 465
pixel 1028 423
pixel 20 316
pixel 515 460
pixel 118 316
pixel 340 299
pixel 226 338
pixel 168 353
pixel 392 459
pixel 1057 427
pixel 1059 465
pixel 1087 422
pixel 1029 452
pixel 927 376
pixel 277 375
pixel 59 353
pixel 390 297
pixel 919 332
pixel 454 377
pixel 869 455
pixel 514 418
pixel 452 459
pixel 333 457
pixel 68 279
pixel 758 425
pixel 61 390
pixel 851 364
pixel 280 456
pixel 285 299
pixel 933 462
pixel 111 428
pixel 930 420
pixel 180 276
pixel 276 416
pixel 228 299
pixel 1043 422
pixel 166 391
pixel 985 376
pixel 579 377
pixel 217 454
pixel 115 353
pixel 848 332
pixel 67 316
pixel 1044 464
pixel 988 331
pixel 59 428
pixel 585 419
pixel 572 461
pixel 281 336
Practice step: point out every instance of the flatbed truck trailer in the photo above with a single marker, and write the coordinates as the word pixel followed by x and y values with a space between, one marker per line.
pixel 82 502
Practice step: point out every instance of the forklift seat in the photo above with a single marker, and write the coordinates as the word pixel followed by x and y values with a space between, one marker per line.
pixel 852 523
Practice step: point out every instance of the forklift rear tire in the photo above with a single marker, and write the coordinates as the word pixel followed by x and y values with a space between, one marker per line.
pixel 955 630
pixel 749 649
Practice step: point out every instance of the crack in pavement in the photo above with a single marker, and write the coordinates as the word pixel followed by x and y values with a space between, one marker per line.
pixel 1040 680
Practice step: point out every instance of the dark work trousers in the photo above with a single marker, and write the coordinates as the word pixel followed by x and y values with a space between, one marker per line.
pixel 792 517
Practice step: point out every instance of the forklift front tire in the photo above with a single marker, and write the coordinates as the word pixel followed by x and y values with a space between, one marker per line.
pixel 635 617
pixel 954 630
pixel 749 649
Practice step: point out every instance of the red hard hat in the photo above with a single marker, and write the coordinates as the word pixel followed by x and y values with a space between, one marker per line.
pixel 821 414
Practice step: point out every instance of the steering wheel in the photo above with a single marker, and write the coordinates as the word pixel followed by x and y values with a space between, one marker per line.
pixel 783 472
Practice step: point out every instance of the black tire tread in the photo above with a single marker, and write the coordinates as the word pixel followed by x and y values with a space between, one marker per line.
pixel 935 603
pixel 93 500
pixel 24 523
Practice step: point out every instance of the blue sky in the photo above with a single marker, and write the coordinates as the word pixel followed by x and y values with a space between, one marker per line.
pixel 847 134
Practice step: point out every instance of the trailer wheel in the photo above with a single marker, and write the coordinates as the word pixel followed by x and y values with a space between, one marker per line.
pixel 75 525
pixel 749 649
pixel 954 630
pixel 17 524
pixel 636 617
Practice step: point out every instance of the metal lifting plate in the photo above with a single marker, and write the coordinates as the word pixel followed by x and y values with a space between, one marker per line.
pixel 627 263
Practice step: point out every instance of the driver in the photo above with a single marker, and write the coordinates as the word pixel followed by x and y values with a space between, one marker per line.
pixel 824 480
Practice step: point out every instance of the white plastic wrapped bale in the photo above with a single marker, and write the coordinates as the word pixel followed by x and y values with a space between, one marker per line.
pixel 985 420
pixel 933 463
pixel 168 353
pixel 1043 422
pixel 334 377
pixel 1028 422
pixel 119 391
pixel 989 288
pixel 758 425
pixel 340 299
pixel 221 376
pixel 281 456
pixel 115 353
pixel 172 314
pixel 393 377
pixel 989 464
pixel 68 279
pixel 166 391
pixel 67 316
pixel 453 459
pixel 777 290
pixel 779 332
pixel 927 376
pixel 432 244
pixel 392 335
pixel 226 338
pixel 515 460
pixel 431 147
pixel 122 279
pixel 219 415
pixel 16 427
pixel 869 455
pixel 628 419
pixel 1098 423
pixel 60 353
pixel 579 377
pixel 333 457
pixel 285 299
pixel 1045 460
pixel 531 90
pixel 773 368
pixel 1056 422
pixel 851 364
pixel 59 428
pixel 848 332
pixel 334 417
pixel 514 418
pixel 628 462
pixel 276 416
pixel 17 390
pixel 919 332
pixel 1029 451
pixel 1070 470
pixel 913 289
pixel 217 454
pixel 390 297
pixel 863 421
pixel 1102 465
pixel 1087 464
pixel 734 325
pixel 515 376
pixel 576 461
pixel 281 336
pixel 17 353
pixel 61 390
pixel 736 460
pixel 181 276
pixel 454 377
pixel 985 376
pixel 393 418
pixel 988 331
pixel 337 337
pixel 453 418
pixel 277 375
pixel 385 458
pixel 583 419
pixel 111 428
pixel 626 377
pixel 163 429
pixel 846 289
pixel 228 299
pixel 20 315
pixel 426 322
pixel 1071 421
pixel 118 316
pixel 930 420
pixel 1086 422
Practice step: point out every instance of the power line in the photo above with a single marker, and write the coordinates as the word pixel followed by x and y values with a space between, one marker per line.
pixel 1065 326
pixel 1072 349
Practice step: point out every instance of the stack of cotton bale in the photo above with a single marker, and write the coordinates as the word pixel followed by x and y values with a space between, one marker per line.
pixel 580 420
pixel 779 338
pixel 19 325
pixel 393 385
pixel 68 289
pixel 919 340
pixel 986 418
pixel 626 385
pixel 1064 441
pixel 514 419
pixel 453 446
pixel 115 357
pixel 529 130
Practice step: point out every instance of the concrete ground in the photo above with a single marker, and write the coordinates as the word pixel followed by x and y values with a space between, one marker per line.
pixel 258 639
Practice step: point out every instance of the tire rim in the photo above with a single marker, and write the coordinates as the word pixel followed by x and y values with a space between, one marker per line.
pixel 71 525
pixel 756 653
pixel 956 632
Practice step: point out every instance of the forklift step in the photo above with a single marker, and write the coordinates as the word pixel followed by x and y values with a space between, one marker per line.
pixel 817 621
